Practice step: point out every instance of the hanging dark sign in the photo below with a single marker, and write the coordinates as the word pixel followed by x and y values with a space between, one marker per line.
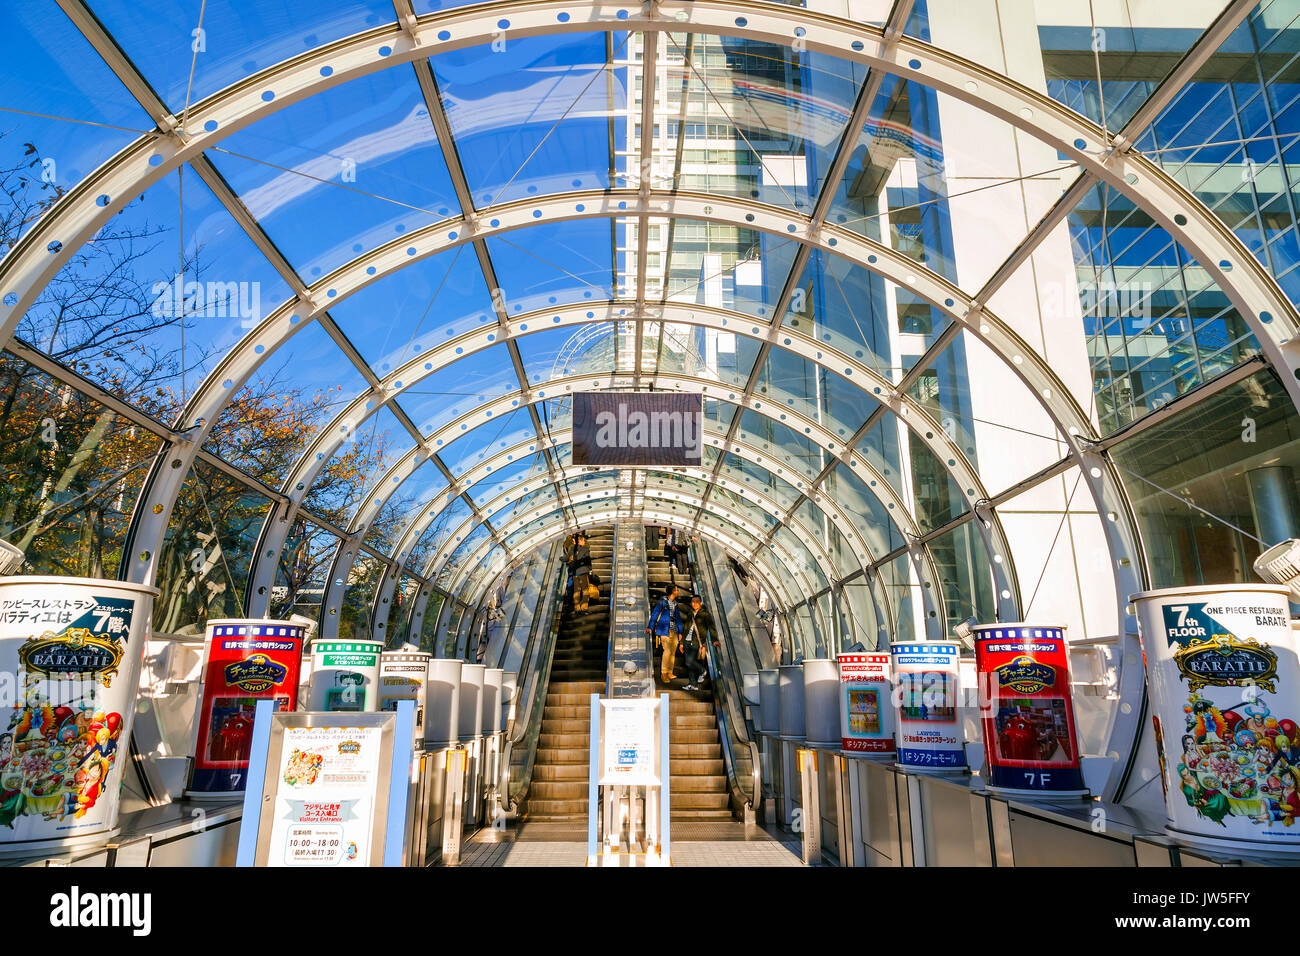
pixel 637 428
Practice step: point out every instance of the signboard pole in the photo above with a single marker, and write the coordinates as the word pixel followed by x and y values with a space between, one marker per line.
pixel 665 788
pixel 256 782
pixel 593 781
pixel 399 784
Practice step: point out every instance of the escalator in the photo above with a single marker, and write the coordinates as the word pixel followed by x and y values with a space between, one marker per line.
pixel 699 776
pixel 558 791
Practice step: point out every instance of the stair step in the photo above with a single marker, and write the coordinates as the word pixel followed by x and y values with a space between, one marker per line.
pixel 693 721
pixel 699 783
pixel 694 736
pixel 685 708
pixel 570 700
pixel 692 815
pixel 705 751
pixel 696 765
pixel 700 801
pixel 560 756
pixel 559 790
pixel 557 808
pixel 585 688
pixel 560 772
pixel 563 712
pixel 564 741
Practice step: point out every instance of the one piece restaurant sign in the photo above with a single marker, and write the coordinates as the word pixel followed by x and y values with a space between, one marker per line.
pixel 637 428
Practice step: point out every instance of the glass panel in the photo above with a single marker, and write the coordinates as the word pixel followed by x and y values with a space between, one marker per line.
pixel 237 38
pixel 489 439
pixel 538 116
pixel 270 421
pixel 302 569
pixel 418 309
pixel 964 566
pixel 457 389
pixel 353 468
pixel 869 622
pixel 1229 467
pixel 767 120
pixel 342 172
pixel 815 392
pixel 1230 136
pixel 53 70
pixel 870 517
pixel 898 579
pixel 72 472
pixel 804 456
pixel 508 476
pixel 984 407
pixel 1156 324
pixel 203 566
pixel 1131 46
pixel 149 307
pixel 863 315
pixel 554 263
pixel 357 618
pixel 744 474
pixel 559 352
pixel 721 265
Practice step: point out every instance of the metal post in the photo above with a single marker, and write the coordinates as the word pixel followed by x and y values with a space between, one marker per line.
pixel 811 818
pixel 665 784
pixel 453 805
pixel 594 807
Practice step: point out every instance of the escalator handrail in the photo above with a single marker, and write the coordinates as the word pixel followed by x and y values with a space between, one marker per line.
pixel 528 725
pixel 731 719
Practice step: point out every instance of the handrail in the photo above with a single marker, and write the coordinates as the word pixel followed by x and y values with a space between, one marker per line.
pixel 731 713
pixel 537 667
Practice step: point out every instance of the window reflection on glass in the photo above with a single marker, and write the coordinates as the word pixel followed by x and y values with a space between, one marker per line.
pixel 1228 467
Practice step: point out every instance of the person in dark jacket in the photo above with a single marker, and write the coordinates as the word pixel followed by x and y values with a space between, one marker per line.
pixel 697 633
pixel 580 565
pixel 666 625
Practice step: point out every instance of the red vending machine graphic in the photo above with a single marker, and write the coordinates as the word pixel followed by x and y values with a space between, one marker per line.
pixel 244 662
pixel 1030 743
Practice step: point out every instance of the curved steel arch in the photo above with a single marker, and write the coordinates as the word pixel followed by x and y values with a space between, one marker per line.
pixel 85 208
pixel 921 423
pixel 431 511
pixel 771 580
pixel 467 570
pixel 665 511
pixel 564 386
pixel 423 519
pixel 434 564
pixel 817 548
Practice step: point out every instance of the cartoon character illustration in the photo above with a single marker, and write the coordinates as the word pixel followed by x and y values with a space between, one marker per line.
pixel 56 761
pixel 1210 803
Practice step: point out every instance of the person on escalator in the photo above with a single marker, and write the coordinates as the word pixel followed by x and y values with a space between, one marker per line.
pixel 580 566
pixel 666 625
pixel 697 633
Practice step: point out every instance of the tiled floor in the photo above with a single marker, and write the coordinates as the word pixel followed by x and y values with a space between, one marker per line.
pixel 723 845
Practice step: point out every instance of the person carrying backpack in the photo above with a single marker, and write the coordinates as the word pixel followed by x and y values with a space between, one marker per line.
pixel 666 625
pixel 580 565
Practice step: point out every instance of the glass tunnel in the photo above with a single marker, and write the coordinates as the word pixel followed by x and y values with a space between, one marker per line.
pixel 989 310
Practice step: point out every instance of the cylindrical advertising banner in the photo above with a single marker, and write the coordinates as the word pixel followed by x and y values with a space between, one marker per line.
pixel 404 675
pixel 769 701
pixel 1224 680
pixel 1030 744
pixel 866 711
pixel 442 702
pixel 345 675
pixel 244 661
pixel 928 732
pixel 492 677
pixel 74 647
pixel 791 702
pixel 821 702
pixel 471 701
